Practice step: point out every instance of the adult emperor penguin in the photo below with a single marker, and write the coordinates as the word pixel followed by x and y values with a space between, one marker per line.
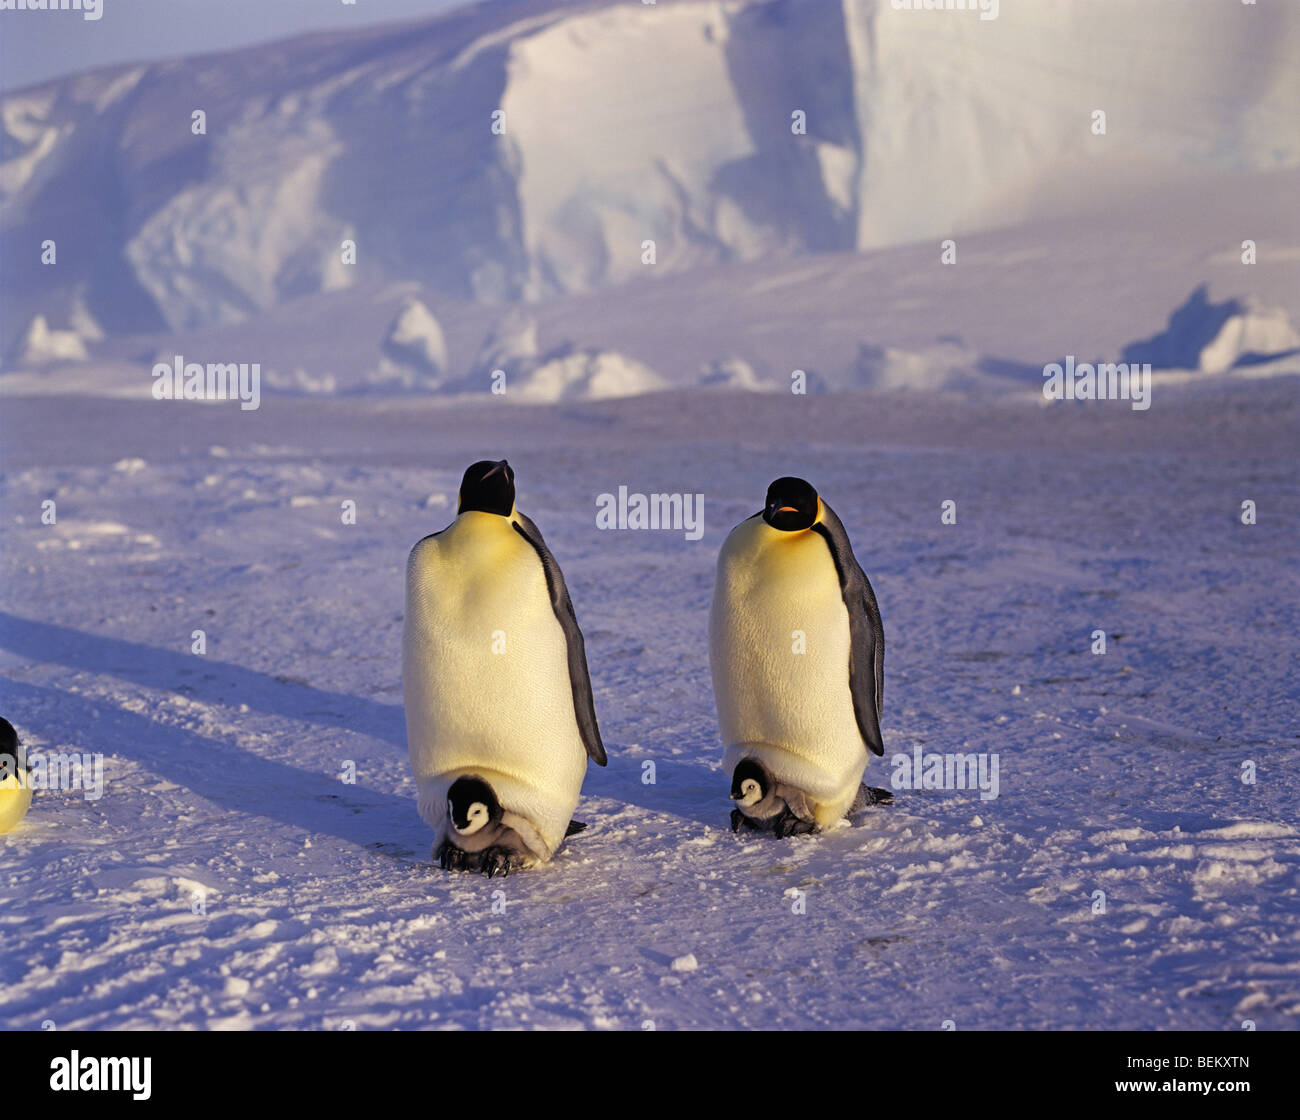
pixel 15 786
pixel 797 651
pixel 500 721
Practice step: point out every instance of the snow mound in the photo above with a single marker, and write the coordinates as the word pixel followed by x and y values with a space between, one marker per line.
pixel 1217 337
pixel 299 382
pixel 733 373
pixel 39 344
pixel 945 365
pixel 82 322
pixel 510 360
pixel 415 341
pixel 571 373
pixel 510 347
pixel 1253 334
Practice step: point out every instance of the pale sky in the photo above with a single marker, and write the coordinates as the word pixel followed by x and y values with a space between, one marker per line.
pixel 35 45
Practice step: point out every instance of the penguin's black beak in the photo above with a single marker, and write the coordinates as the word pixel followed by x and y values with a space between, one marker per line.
pixel 502 465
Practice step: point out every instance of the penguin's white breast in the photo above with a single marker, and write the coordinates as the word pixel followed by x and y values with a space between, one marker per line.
pixel 485 665
pixel 779 648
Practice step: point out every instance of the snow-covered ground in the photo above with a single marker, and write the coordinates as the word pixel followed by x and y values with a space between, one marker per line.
pixel 319 907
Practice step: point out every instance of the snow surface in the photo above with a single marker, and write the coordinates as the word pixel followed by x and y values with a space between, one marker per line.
pixel 1119 772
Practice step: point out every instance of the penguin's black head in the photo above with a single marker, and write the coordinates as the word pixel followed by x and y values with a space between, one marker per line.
pixel 489 486
pixel 750 782
pixel 791 505
pixel 11 754
pixel 472 805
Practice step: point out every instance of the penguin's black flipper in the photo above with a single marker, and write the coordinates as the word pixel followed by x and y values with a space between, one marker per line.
pixel 575 827
pixel 584 706
pixel 866 631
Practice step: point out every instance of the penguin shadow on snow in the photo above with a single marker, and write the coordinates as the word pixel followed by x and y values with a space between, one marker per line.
pixel 700 797
pixel 223 773
pixel 220 772
pixel 220 682
pixel 200 678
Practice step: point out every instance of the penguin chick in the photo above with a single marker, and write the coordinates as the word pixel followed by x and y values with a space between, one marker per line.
pixel 477 838
pixel 766 805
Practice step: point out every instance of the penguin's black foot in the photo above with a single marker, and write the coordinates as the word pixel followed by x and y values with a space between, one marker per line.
pixel 787 824
pixel 575 827
pixel 499 861
pixel 783 824
pixel 450 857
pixel 496 860
pixel 867 796
pixel 752 824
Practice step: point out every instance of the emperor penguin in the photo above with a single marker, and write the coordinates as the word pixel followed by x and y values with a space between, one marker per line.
pixel 797 651
pixel 500 720
pixel 15 783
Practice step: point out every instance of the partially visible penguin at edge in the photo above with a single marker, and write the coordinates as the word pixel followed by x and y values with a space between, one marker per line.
pixel 500 720
pixel 15 788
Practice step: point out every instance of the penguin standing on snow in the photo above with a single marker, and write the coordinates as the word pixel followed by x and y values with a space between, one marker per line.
pixel 500 721
pixel 15 785
pixel 797 651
